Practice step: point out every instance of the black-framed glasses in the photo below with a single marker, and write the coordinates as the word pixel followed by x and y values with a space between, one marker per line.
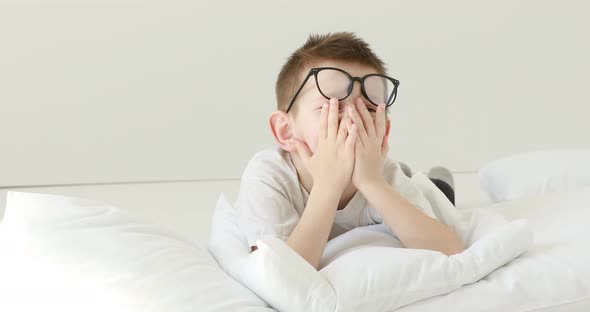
pixel 334 82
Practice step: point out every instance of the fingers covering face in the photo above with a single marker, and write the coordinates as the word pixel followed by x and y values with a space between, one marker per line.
pixel 366 126
pixel 380 121
pixel 342 131
pixel 369 128
pixel 358 121
pixel 323 133
pixel 333 119
pixel 366 116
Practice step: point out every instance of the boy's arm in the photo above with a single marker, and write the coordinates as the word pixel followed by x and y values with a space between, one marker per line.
pixel 414 228
pixel 331 168
pixel 311 234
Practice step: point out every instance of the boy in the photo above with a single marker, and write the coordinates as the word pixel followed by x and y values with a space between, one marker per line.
pixel 329 172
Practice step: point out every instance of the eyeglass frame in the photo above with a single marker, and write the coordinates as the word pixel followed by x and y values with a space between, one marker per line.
pixel 315 70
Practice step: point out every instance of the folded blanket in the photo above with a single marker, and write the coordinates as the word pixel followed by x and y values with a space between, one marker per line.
pixel 365 269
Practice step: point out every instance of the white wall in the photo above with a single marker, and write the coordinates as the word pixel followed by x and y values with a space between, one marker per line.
pixel 95 91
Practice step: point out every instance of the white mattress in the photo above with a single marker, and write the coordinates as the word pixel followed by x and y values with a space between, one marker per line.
pixel 553 276
pixel 186 207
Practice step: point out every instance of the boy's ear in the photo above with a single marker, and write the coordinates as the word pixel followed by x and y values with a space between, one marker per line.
pixel 281 130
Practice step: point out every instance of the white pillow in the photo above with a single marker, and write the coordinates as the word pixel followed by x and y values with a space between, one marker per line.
pixel 70 254
pixel 534 173
pixel 266 273
pixel 362 270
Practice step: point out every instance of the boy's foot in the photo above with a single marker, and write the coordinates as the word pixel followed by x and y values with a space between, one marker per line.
pixel 406 169
pixel 442 173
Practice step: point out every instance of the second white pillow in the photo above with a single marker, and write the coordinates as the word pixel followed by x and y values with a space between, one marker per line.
pixel 534 173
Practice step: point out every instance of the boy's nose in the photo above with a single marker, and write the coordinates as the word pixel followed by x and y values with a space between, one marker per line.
pixel 350 100
pixel 343 105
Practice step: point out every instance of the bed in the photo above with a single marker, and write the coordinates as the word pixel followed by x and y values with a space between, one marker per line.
pixel 552 276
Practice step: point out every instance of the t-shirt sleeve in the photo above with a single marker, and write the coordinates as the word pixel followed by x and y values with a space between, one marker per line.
pixel 264 211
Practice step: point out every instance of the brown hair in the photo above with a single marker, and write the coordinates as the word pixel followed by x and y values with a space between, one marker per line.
pixel 343 46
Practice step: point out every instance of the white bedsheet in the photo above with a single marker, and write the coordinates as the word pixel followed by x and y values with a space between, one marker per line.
pixel 554 275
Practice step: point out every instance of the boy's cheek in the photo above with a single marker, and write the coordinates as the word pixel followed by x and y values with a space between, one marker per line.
pixel 313 143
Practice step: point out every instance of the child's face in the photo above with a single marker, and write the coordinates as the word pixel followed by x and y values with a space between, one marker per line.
pixel 305 115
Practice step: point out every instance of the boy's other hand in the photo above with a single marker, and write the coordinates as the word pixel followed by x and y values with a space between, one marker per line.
pixel 333 161
pixel 371 147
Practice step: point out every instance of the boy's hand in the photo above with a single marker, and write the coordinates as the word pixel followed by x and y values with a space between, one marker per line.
pixel 333 161
pixel 371 147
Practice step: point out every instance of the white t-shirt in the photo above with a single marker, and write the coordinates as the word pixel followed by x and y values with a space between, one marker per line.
pixel 271 199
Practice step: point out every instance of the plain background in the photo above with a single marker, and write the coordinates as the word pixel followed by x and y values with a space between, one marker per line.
pixel 123 91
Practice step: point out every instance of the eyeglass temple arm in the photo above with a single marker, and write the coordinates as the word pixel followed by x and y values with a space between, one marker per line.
pixel 299 90
pixel 393 95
